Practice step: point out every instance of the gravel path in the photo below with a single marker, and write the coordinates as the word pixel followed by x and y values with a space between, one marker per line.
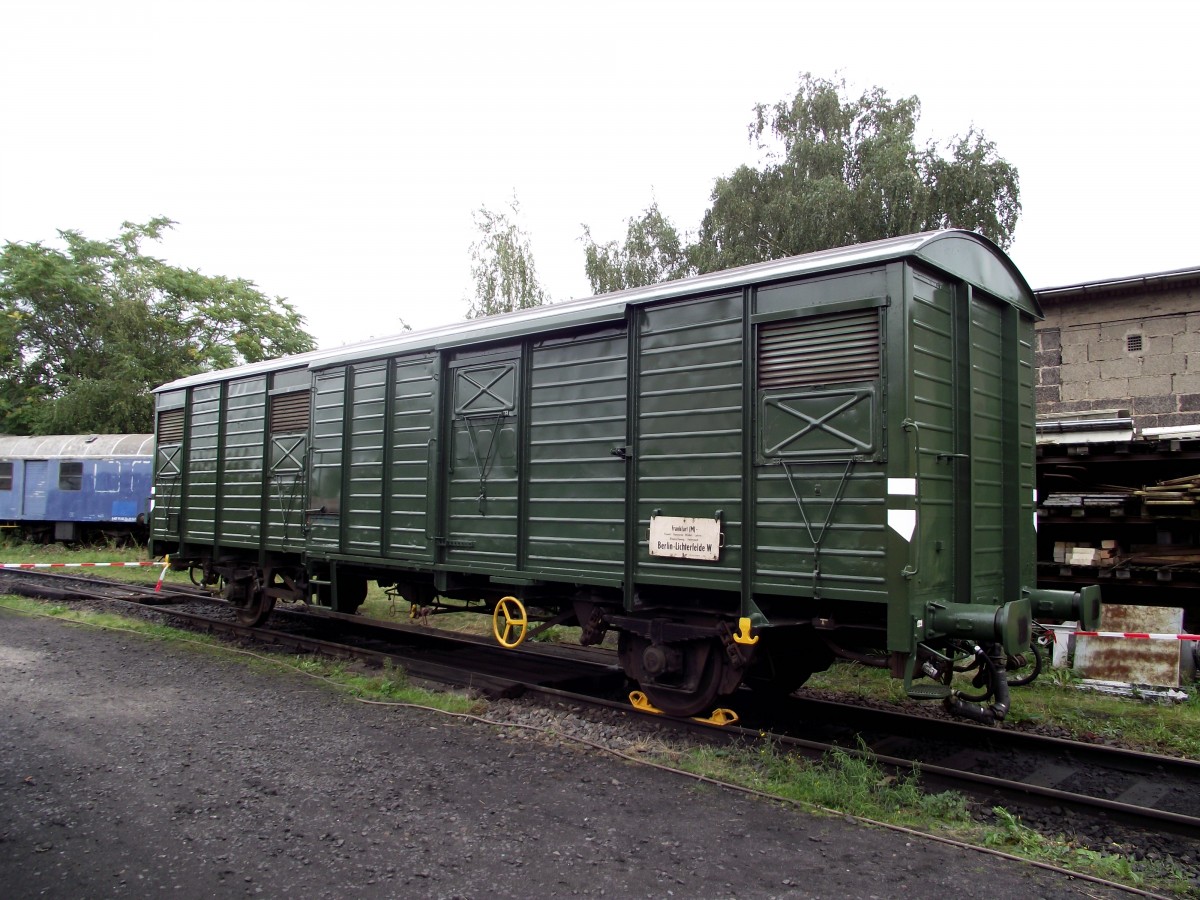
pixel 133 767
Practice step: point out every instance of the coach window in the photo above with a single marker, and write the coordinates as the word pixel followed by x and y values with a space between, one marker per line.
pixel 107 478
pixel 5 476
pixel 70 476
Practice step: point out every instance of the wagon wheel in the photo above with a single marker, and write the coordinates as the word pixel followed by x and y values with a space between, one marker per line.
pixel 681 679
pixel 257 611
pixel 250 602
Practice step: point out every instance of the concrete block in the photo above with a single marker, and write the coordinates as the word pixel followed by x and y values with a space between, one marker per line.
pixel 1047 358
pixel 1050 375
pixel 1154 405
pixel 1103 351
pixel 1074 354
pixel 1049 339
pixel 1079 406
pixel 1188 342
pixel 1075 390
pixel 1046 395
pixel 1189 402
pixel 1073 337
pixel 1107 389
pixel 1157 345
pixel 1164 364
pixel 1124 367
pixel 1173 420
pixel 1118 331
pixel 1167 325
pixel 1148 385
pixel 1084 371
pixel 1185 384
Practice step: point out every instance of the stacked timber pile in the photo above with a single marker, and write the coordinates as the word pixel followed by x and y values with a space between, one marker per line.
pixel 1164 555
pixel 1109 501
pixel 1081 554
pixel 1173 497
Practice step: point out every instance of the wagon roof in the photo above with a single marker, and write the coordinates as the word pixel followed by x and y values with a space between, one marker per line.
pixel 75 446
pixel 964 254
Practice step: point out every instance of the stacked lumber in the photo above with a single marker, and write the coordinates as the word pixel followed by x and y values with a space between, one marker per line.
pixel 1164 555
pixel 1080 503
pixel 1071 553
pixel 1171 497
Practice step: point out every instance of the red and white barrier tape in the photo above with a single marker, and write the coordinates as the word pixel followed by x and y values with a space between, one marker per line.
pixel 94 565
pixel 87 565
pixel 1140 635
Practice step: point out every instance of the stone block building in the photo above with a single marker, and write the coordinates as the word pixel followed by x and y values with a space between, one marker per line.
pixel 1123 349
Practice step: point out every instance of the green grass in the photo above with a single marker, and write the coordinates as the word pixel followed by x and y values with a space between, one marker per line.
pixel 387 685
pixel 1056 699
pixel 841 782
pixel 19 552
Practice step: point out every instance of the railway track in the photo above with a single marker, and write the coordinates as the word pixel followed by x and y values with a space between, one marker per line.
pixel 1142 792
pixel 1010 767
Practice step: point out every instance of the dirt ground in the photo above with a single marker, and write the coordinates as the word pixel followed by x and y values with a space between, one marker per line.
pixel 133 767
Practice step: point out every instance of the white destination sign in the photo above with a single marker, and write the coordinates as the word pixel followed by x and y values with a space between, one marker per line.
pixel 685 538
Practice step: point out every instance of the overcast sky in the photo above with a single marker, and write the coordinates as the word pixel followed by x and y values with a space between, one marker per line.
pixel 333 152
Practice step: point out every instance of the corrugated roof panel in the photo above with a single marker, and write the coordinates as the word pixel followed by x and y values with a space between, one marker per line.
pixel 962 253
pixel 76 446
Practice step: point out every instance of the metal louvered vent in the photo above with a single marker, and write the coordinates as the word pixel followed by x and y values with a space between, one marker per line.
pixel 170 426
pixel 289 412
pixel 819 350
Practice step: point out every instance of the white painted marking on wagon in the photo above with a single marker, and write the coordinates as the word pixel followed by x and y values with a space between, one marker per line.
pixel 903 522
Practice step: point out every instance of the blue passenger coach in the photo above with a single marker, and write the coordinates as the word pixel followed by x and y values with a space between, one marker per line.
pixel 62 487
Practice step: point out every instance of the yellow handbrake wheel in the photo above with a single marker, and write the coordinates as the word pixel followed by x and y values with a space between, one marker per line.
pixel 509 622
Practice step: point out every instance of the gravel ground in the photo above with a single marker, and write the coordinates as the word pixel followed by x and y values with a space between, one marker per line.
pixel 133 767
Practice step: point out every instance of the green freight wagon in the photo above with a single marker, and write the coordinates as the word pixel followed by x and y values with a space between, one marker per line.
pixel 744 474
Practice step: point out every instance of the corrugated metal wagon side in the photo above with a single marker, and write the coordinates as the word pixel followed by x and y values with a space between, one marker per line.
pixel 230 484
pixel 744 474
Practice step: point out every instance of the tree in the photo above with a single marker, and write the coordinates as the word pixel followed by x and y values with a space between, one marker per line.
pixel 87 332
pixel 502 265
pixel 653 251
pixel 834 171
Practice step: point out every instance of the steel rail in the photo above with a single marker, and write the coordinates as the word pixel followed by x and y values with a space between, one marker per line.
pixel 524 676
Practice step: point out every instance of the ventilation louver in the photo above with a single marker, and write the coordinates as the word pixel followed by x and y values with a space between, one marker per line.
pixel 820 350
pixel 289 412
pixel 170 426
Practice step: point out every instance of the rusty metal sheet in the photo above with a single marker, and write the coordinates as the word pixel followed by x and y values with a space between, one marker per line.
pixel 1133 660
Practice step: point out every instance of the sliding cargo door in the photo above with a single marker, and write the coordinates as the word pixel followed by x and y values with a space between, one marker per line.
pixel 482 469
pixel 373 443
pixel 940 464
pixel 578 456
pixel 687 453
pixel 971 389
pixel 1001 448
pixel 410 480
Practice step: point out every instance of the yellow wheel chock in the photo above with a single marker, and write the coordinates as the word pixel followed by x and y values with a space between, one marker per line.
pixel 642 703
pixel 512 611
pixel 742 636
pixel 719 716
